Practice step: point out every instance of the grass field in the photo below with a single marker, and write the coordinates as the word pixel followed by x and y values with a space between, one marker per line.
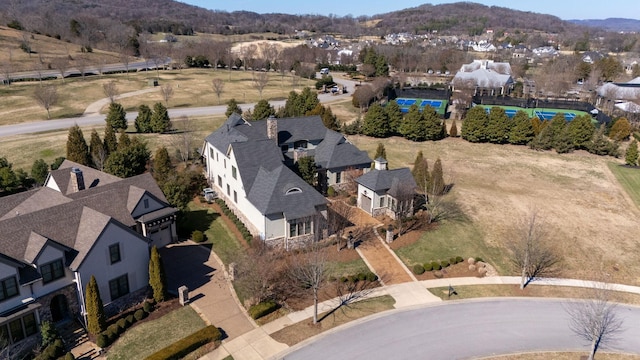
pixel 532 290
pixel 602 355
pixel 629 178
pixel 191 88
pixel 585 208
pixel 147 338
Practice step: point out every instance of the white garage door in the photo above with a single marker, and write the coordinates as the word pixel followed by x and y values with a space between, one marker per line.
pixel 365 203
pixel 161 236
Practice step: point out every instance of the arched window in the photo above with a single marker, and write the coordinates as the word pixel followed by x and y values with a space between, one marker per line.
pixel 293 191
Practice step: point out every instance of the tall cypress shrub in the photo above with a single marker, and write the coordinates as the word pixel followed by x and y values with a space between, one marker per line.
pixel 157 279
pixel 96 320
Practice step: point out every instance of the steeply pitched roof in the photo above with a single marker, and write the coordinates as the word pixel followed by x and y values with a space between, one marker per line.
pixel 71 220
pixel 335 152
pixel 92 177
pixel 392 181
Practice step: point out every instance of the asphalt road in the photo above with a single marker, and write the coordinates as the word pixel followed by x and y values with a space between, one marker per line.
pixel 463 330
pixel 49 125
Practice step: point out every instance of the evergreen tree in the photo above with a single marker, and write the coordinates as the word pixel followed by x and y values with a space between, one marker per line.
pixel 620 130
pixel 293 105
pixel 376 122
pixel 110 140
pixel 157 278
pixel 160 122
pixel 124 141
pixel 475 124
pixel 39 171
pixel 96 150
pixel 116 117
pixel 381 152
pixel 437 185
pixel 262 110
pixel 420 171
pixel 544 140
pixel 600 145
pixel 563 143
pixel 96 319
pixel 329 120
pixel 433 129
pixel 77 149
pixel 522 130
pixel 453 131
pixel 128 161
pixel 413 126
pixel 498 126
pixel 537 125
pixel 143 120
pixel 162 167
pixel 308 100
pixel 557 124
pixel 306 168
pixel 394 114
pixel 232 107
pixel 55 165
pixel 581 131
pixel 631 155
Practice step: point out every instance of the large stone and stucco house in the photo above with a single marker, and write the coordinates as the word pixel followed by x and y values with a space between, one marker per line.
pixel 249 165
pixel 83 222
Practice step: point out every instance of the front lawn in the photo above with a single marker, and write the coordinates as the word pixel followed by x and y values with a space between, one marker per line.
pixel 145 339
pixel 222 240
pixel 450 239
pixel 629 178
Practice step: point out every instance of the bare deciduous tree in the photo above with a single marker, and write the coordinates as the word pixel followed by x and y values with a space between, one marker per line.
pixel 596 320
pixel 218 87
pixel 46 96
pixel 533 254
pixel 110 90
pixel 183 139
pixel 338 218
pixel 309 269
pixel 82 62
pixel 61 64
pixel 166 90
pixel 260 80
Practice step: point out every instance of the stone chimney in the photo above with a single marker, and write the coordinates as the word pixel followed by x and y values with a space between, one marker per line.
pixel 77 180
pixel 272 128
pixel 299 154
pixel 380 164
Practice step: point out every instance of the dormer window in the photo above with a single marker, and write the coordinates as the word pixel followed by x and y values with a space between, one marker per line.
pixel 293 191
pixel 52 271
pixel 300 144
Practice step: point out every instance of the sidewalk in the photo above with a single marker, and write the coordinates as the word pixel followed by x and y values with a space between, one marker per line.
pixel 258 345
pixel 383 261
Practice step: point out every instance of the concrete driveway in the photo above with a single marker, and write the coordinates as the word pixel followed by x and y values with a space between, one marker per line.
pixel 195 266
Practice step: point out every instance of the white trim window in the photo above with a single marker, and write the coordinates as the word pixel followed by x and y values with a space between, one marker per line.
pixel 300 227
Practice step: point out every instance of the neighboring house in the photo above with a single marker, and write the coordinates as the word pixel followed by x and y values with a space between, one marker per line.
pixel 249 164
pixel 83 222
pixel 386 192
pixel 485 76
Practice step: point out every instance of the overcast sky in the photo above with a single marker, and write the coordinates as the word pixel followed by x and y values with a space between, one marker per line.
pixel 564 9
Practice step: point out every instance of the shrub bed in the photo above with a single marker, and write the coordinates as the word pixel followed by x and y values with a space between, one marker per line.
pixel 117 328
pixel 239 224
pixel 183 347
pixel 262 309
pixel 418 269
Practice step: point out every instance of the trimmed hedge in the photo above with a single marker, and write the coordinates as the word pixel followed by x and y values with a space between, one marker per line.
pixel 436 265
pixel 239 224
pixel 139 314
pixel 262 309
pixel 418 269
pixel 428 267
pixel 181 348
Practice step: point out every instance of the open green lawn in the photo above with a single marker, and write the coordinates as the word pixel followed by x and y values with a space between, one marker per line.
pixel 218 235
pixel 145 339
pixel 450 239
pixel 354 267
pixel 629 178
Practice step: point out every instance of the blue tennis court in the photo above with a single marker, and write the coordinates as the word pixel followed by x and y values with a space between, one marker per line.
pixel 405 102
pixel 548 115
pixel 433 103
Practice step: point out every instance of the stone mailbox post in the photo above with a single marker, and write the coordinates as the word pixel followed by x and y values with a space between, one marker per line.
pixel 389 234
pixel 183 294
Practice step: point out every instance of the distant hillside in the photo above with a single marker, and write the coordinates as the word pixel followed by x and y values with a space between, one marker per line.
pixel 115 22
pixel 612 24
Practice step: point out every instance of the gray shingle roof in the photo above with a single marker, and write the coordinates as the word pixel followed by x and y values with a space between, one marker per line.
pixel 92 177
pixel 74 220
pixel 391 181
